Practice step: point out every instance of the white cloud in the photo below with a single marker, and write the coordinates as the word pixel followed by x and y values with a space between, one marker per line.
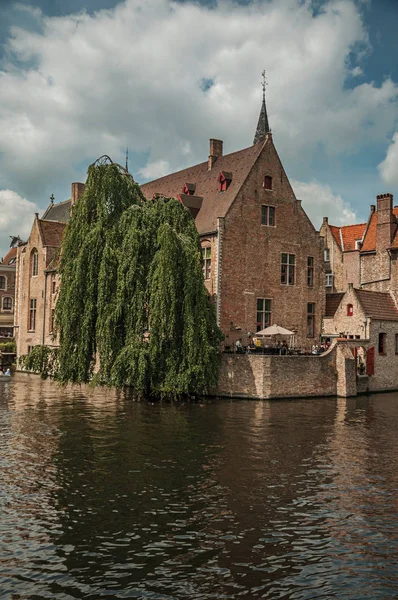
pixel 155 169
pixel 319 201
pixel 389 167
pixel 16 217
pixel 84 85
pixel 357 71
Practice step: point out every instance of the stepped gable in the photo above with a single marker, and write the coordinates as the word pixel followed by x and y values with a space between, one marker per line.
pixel 10 257
pixel 58 212
pixel 378 305
pixel 369 243
pixel 332 303
pixel 51 232
pixel 215 203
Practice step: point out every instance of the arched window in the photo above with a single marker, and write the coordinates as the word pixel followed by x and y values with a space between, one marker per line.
pixel 3 282
pixel 34 263
pixel 268 182
pixel 350 310
pixel 7 303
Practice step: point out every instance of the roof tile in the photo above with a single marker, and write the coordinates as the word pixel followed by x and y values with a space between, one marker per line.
pixel 378 305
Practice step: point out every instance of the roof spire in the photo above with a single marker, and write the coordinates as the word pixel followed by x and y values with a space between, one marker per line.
pixel 262 126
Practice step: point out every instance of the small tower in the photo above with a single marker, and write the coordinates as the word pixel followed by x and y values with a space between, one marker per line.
pixel 262 126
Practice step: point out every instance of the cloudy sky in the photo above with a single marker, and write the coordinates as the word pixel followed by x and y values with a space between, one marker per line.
pixel 79 79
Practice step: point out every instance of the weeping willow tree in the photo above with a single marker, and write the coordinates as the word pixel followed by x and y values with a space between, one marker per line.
pixel 133 310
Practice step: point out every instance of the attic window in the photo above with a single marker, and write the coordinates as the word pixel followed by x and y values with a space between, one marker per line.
pixel 267 182
pixel 189 189
pixel 224 179
pixel 350 310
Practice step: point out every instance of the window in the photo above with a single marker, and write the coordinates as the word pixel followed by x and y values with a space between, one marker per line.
pixel 35 263
pixel 54 286
pixel 267 182
pixel 310 271
pixel 7 303
pixel 382 343
pixel 206 262
pixel 268 215
pixel 396 343
pixel 32 314
pixel 358 244
pixel 224 179
pixel 326 255
pixel 329 279
pixel 350 310
pixel 310 319
pixel 288 269
pixel 3 282
pixel 52 321
pixel 263 313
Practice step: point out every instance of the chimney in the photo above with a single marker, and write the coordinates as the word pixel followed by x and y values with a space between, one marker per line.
pixel 77 191
pixel 325 220
pixel 385 222
pixel 372 208
pixel 215 152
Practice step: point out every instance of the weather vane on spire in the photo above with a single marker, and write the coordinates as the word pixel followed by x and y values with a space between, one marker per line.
pixel 264 83
pixel 263 127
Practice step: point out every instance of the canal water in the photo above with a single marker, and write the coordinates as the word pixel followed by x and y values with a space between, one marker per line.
pixel 103 497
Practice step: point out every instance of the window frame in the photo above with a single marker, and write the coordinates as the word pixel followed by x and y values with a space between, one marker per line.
pixel 310 271
pixel 11 304
pixel 326 255
pixel 206 262
pixel 267 215
pixel 267 183
pixel 382 343
pixel 34 258
pixel 350 310
pixel 289 270
pixel 32 314
pixel 265 311
pixel 310 319
pixel 328 277
pixel 5 282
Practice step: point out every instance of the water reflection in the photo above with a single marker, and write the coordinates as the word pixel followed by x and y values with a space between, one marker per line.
pixel 104 497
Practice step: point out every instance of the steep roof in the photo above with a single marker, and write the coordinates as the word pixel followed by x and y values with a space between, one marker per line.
pixel 347 235
pixel 58 212
pixel 369 243
pixel 10 257
pixel 332 303
pixel 378 305
pixel 215 203
pixel 336 234
pixel 52 232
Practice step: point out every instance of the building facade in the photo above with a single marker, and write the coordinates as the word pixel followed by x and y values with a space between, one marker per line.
pixel 7 293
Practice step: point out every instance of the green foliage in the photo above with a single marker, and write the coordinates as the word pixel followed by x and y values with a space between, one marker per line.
pixel 8 346
pixel 128 267
pixel 41 359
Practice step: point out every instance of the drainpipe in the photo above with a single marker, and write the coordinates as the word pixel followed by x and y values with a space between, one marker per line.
pixel 220 239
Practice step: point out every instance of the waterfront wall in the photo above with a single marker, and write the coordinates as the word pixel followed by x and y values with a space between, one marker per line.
pixel 255 376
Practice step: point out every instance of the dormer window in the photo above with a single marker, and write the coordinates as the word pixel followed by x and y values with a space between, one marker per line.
pixel 189 189
pixel 224 179
pixel 267 182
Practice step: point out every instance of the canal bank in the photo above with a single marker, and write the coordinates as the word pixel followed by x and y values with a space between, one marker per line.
pixel 347 369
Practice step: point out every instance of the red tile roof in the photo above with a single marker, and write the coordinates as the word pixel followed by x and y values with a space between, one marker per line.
pixel 10 257
pixel 332 303
pixel 336 234
pixel 378 305
pixel 369 243
pixel 52 232
pixel 351 233
pixel 215 203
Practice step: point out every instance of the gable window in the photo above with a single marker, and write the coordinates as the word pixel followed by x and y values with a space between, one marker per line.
pixel 288 268
pixel 7 303
pixel 382 343
pixel 35 263
pixel 267 182
pixel 310 271
pixel 326 255
pixel 3 282
pixel 268 215
pixel 263 313
pixel 310 319
pixel 224 179
pixel 329 279
pixel 32 314
pixel 206 262
pixel 350 310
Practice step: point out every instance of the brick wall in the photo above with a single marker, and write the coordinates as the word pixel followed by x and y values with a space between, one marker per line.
pixel 7 315
pixel 251 264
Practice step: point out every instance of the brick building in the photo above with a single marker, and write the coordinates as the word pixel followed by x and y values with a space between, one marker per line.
pixel 262 257
pixel 7 293
pixel 37 280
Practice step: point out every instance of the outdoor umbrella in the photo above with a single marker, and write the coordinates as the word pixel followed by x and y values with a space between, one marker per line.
pixel 275 330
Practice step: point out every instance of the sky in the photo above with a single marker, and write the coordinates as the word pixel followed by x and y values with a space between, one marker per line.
pixel 81 79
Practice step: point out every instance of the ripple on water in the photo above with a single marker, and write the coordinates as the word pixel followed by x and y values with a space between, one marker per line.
pixel 102 497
